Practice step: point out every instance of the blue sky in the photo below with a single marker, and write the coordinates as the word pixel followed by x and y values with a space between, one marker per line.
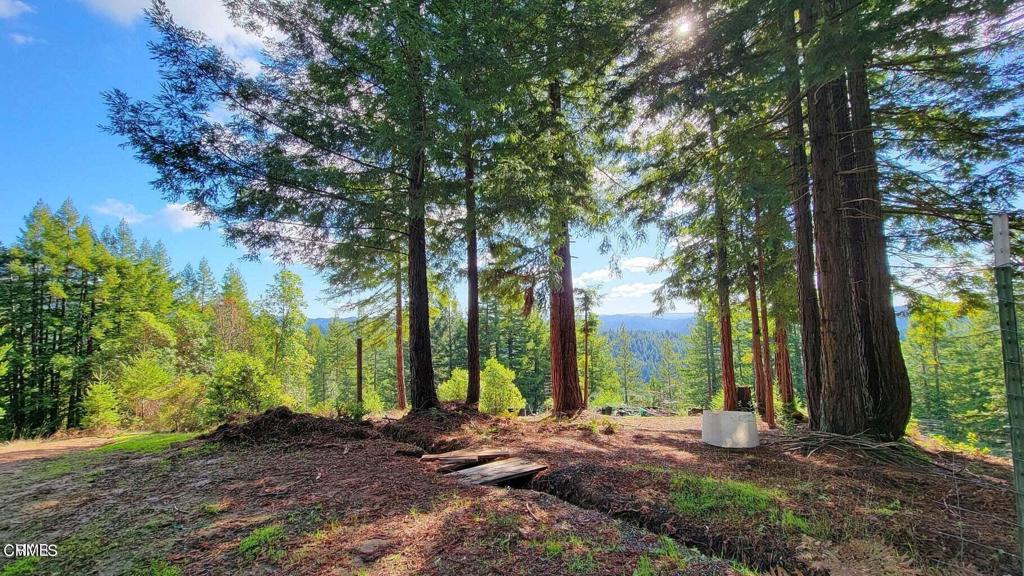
pixel 57 56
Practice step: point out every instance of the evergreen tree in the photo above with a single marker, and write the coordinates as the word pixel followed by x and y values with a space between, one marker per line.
pixel 206 284
pixel 628 371
pixel 285 323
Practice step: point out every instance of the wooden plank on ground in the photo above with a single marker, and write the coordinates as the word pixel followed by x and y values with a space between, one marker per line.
pixel 480 453
pixel 445 468
pixel 498 472
pixel 458 460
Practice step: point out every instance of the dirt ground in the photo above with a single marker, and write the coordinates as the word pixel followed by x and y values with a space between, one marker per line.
pixel 295 495
pixel 22 450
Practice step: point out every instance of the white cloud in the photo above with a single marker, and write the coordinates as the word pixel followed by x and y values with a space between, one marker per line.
pixel 120 210
pixel 179 217
pixel 206 16
pixel 21 39
pixel 124 11
pixel 639 264
pixel 593 277
pixel 634 290
pixel 13 8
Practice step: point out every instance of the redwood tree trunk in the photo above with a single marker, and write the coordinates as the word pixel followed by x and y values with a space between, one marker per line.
pixel 724 312
pixel 783 368
pixel 799 187
pixel 424 395
pixel 888 384
pixel 359 370
pixel 722 285
pixel 473 280
pixel 565 384
pixel 399 344
pixel 421 362
pixel 766 355
pixel 755 330
pixel 843 397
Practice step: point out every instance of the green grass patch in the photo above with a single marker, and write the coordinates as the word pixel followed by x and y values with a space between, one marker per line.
pixel 203 449
pixel 815 527
pixel 503 520
pixel 50 469
pixel 577 552
pixel 644 567
pixel 670 550
pixel 145 443
pixel 82 550
pixel 711 498
pixel 551 549
pixel 21 567
pixel 584 563
pixel 262 543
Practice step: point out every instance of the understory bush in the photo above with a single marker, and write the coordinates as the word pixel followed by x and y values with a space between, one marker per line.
pixel 498 393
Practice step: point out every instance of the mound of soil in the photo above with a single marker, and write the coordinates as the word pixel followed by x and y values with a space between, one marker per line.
pixel 434 430
pixel 281 424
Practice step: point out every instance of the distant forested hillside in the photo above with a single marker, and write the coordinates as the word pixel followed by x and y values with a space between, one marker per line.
pixel 676 323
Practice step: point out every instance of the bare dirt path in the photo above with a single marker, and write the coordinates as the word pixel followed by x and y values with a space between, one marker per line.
pixel 23 450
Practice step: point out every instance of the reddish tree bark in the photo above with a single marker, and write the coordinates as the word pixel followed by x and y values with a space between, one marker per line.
pixel 843 396
pixel 565 382
pixel 723 287
pixel 755 330
pixel 724 311
pixel 783 367
pixel 888 383
pixel 359 370
pixel 565 385
pixel 803 230
pixel 765 339
pixel 762 369
pixel 399 343
pixel 766 349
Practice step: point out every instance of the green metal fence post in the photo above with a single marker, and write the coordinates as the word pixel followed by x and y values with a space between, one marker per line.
pixel 1011 362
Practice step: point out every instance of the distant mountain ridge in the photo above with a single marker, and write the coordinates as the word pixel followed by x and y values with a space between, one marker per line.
pixel 324 323
pixel 675 323
pixel 672 322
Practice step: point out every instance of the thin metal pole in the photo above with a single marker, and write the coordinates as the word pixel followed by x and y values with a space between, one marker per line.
pixel 1011 362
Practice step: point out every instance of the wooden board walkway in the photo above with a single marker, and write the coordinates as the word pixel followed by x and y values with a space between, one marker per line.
pixel 483 465
pixel 498 471
pixel 477 454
